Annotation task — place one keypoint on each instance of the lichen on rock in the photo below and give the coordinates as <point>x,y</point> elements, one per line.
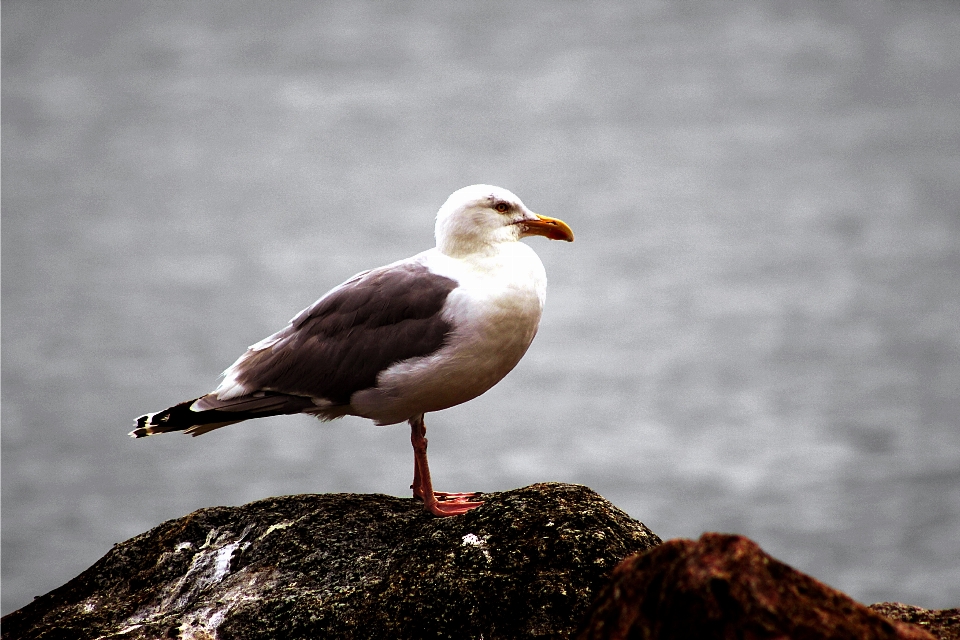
<point>525,564</point>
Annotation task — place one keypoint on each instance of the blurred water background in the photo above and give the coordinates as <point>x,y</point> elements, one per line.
<point>756,330</point>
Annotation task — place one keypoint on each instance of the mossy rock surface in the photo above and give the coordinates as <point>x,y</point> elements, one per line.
<point>528,563</point>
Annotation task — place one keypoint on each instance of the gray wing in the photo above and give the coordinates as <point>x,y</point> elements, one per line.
<point>343,341</point>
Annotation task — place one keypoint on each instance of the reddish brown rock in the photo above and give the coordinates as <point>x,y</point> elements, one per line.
<point>942,623</point>
<point>725,586</point>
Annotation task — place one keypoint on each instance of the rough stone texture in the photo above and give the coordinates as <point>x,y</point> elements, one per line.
<point>941,623</point>
<point>525,564</point>
<point>725,586</point>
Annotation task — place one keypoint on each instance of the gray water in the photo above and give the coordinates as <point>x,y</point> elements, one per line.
<point>756,330</point>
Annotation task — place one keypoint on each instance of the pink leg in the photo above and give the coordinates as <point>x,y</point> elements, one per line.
<point>438,503</point>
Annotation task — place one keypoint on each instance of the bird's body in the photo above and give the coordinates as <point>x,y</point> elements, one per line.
<point>390,344</point>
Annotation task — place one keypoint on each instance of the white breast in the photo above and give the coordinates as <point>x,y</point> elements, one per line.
<point>495,312</point>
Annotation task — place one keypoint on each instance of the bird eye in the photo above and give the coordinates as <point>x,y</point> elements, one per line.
<point>502,207</point>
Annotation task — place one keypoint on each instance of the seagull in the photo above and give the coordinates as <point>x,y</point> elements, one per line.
<point>393,343</point>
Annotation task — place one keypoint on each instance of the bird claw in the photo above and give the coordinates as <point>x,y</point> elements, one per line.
<point>450,504</point>
<point>445,508</point>
<point>444,496</point>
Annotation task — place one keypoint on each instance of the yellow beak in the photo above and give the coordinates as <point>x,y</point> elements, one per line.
<point>548,227</point>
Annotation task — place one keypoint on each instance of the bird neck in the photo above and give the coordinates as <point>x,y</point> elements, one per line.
<point>466,247</point>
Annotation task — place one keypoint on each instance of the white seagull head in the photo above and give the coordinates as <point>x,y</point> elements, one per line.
<point>479,217</point>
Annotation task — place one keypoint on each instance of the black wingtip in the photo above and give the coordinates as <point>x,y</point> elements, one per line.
<point>160,422</point>
<point>185,418</point>
<point>143,427</point>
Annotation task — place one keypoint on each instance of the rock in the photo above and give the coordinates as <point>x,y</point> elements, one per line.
<point>941,623</point>
<point>725,586</point>
<point>525,564</point>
